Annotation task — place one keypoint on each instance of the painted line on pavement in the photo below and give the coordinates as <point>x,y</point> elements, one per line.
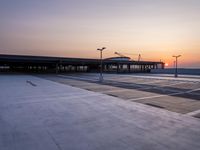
<point>139,88</point>
<point>158,96</point>
<point>193,113</point>
<point>119,90</point>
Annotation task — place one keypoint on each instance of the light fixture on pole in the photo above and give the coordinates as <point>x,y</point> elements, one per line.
<point>176,65</point>
<point>101,63</point>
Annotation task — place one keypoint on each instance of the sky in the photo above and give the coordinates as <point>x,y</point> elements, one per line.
<point>156,29</point>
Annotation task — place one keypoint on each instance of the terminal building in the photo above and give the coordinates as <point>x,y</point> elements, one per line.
<point>42,64</point>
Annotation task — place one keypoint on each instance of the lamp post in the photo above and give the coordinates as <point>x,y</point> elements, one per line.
<point>101,63</point>
<point>176,65</point>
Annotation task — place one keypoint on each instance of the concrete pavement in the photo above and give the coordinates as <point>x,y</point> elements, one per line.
<point>45,115</point>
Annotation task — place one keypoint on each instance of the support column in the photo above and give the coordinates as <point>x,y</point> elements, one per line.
<point>117,68</point>
<point>56,68</point>
<point>129,68</point>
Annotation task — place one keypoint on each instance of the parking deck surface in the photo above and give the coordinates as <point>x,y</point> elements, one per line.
<point>181,95</point>
<point>38,114</point>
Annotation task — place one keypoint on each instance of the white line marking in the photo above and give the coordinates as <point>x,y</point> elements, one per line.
<point>141,88</point>
<point>193,90</point>
<point>193,113</point>
<point>159,87</point>
<point>158,81</point>
<point>157,96</point>
<point>119,90</point>
<point>153,86</point>
<point>86,79</point>
<point>165,78</point>
<point>172,84</point>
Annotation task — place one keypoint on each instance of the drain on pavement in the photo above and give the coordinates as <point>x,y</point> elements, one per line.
<point>31,83</point>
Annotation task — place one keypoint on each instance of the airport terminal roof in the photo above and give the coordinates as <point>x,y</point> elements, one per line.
<point>5,58</point>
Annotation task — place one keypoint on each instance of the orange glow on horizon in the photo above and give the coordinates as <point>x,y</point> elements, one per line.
<point>166,64</point>
<point>156,30</point>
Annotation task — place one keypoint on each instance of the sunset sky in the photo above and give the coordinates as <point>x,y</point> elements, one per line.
<point>157,29</point>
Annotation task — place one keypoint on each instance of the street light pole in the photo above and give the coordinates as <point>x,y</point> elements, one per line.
<point>101,63</point>
<point>176,65</point>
